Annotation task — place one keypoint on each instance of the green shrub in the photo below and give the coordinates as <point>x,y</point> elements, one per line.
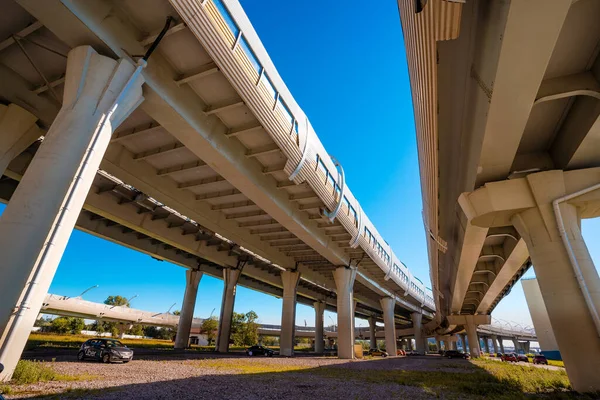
<point>33,371</point>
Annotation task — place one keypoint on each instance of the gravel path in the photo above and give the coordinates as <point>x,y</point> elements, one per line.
<point>222,377</point>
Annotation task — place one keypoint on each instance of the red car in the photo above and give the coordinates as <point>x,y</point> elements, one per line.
<point>540,359</point>
<point>510,357</point>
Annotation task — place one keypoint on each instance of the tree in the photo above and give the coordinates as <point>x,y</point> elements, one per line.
<point>116,301</point>
<point>137,330</point>
<point>244,328</point>
<point>65,325</point>
<point>176,312</point>
<point>209,328</point>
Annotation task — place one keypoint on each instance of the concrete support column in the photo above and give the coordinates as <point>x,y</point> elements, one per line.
<point>439,344</point>
<point>344,282</point>
<point>474,348</point>
<point>486,344</point>
<point>18,131</point>
<point>425,344</point>
<point>372,333</point>
<point>495,343</point>
<point>416,320</point>
<point>463,339</point>
<point>569,314</point>
<point>36,225</point>
<point>389,324</point>
<point>319,323</point>
<point>230,278</point>
<point>516,345</point>
<point>501,343</point>
<point>123,328</point>
<point>453,345</point>
<point>288,314</point>
<point>527,344</point>
<point>192,280</point>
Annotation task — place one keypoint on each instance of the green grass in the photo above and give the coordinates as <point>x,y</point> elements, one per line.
<point>37,371</point>
<point>54,341</point>
<point>480,378</point>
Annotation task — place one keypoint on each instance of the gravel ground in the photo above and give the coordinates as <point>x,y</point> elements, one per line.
<point>215,377</point>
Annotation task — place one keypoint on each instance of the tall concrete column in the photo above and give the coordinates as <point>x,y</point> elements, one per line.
<point>416,320</point>
<point>486,344</point>
<point>526,347</point>
<point>344,282</point>
<point>372,332</point>
<point>192,280</point>
<point>36,225</point>
<point>389,324</point>
<point>501,343</point>
<point>230,278</point>
<point>474,348</point>
<point>463,339</point>
<point>495,343</point>
<point>439,344</point>
<point>288,313</point>
<point>516,345</point>
<point>319,323</point>
<point>569,314</point>
<point>18,130</point>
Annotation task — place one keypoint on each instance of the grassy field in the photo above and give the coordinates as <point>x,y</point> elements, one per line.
<point>477,379</point>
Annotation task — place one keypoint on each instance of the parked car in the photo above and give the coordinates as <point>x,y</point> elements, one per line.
<point>522,357</point>
<point>540,359</point>
<point>400,352</point>
<point>509,357</point>
<point>456,354</point>
<point>105,350</point>
<point>378,353</point>
<point>498,355</point>
<point>258,350</point>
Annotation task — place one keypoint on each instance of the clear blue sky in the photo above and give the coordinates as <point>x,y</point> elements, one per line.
<point>346,68</point>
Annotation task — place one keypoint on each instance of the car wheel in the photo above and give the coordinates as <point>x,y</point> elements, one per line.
<point>106,358</point>
<point>249,353</point>
<point>449,357</point>
<point>384,355</point>
<point>270,354</point>
<point>81,355</point>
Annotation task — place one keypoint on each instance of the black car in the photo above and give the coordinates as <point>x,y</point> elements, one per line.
<point>456,354</point>
<point>259,351</point>
<point>105,350</point>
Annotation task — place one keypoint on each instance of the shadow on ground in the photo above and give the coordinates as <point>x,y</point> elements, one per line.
<point>239,377</point>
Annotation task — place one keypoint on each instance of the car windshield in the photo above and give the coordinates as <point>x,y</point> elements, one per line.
<point>114,343</point>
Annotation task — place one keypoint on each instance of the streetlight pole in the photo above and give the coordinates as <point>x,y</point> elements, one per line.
<point>129,300</point>
<point>87,290</point>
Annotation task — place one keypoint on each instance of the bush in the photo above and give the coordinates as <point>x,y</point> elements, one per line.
<point>32,372</point>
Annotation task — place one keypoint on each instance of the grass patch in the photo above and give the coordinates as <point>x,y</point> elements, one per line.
<point>54,341</point>
<point>481,378</point>
<point>5,389</point>
<point>247,366</point>
<point>37,371</point>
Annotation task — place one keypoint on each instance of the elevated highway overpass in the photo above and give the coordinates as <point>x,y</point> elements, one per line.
<point>506,100</point>
<point>180,140</point>
<point>78,307</point>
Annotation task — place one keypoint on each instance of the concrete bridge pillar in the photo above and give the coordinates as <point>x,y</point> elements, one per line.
<point>495,343</point>
<point>474,348</point>
<point>463,339</point>
<point>389,324</point>
<point>438,343</point>
<point>372,333</point>
<point>501,343</point>
<point>416,320</point>
<point>526,346</point>
<point>319,323</point>
<point>36,225</point>
<point>192,280</point>
<point>288,313</point>
<point>18,130</point>
<point>516,345</point>
<point>486,344</point>
<point>123,328</point>
<point>344,282</point>
<point>570,316</point>
<point>230,279</point>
